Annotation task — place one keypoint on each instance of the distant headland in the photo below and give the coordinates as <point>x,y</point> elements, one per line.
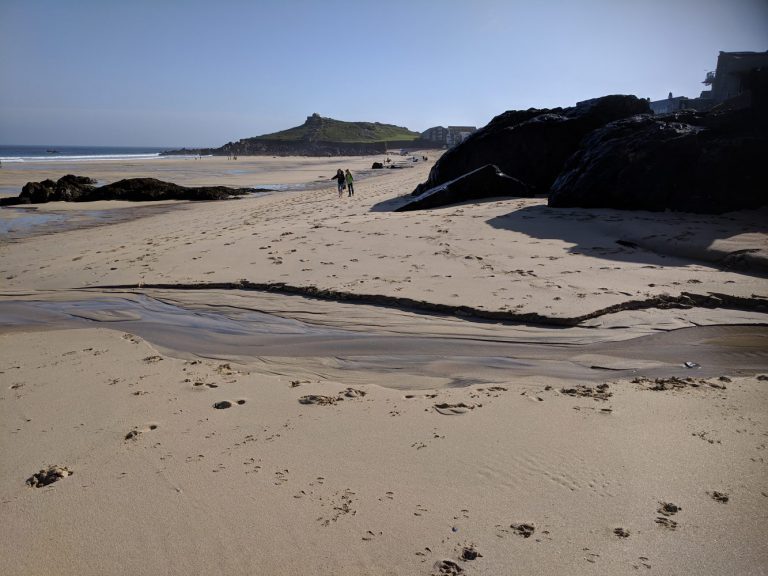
<point>320,136</point>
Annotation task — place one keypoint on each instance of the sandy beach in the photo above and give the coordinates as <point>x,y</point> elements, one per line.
<point>246,171</point>
<point>294,382</point>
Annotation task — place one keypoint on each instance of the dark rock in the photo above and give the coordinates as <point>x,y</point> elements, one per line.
<point>484,182</point>
<point>143,189</point>
<point>694,162</point>
<point>71,188</point>
<point>80,189</point>
<point>531,145</point>
<point>14,201</point>
<point>39,192</point>
<point>67,188</point>
<point>377,166</point>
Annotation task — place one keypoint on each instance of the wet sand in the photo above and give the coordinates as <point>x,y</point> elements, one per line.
<point>462,356</point>
<point>245,172</point>
<point>259,173</point>
<point>231,431</point>
<point>18,223</point>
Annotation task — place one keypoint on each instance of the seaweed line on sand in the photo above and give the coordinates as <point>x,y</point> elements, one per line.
<point>684,300</point>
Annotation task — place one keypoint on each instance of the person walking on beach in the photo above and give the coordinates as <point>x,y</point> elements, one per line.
<point>350,183</point>
<point>340,180</point>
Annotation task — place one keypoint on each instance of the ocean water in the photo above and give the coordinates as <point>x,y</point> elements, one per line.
<point>11,154</point>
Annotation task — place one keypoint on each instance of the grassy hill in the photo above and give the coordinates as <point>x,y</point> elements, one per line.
<point>319,129</point>
<point>320,136</point>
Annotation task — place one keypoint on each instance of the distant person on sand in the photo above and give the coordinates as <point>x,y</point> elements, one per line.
<point>340,180</point>
<point>350,183</point>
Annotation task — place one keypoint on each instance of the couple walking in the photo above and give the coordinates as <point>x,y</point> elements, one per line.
<point>344,180</point>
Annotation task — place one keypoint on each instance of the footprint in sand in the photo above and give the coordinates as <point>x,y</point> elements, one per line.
<point>621,532</point>
<point>525,530</point>
<point>317,399</point>
<point>668,509</point>
<point>469,553</point>
<point>447,568</point>
<point>48,476</point>
<point>226,370</point>
<point>454,409</point>
<point>600,392</point>
<point>224,404</point>
<point>136,432</point>
<point>206,384</point>
<point>353,393</point>
<point>328,400</point>
<point>666,523</point>
<point>721,497</point>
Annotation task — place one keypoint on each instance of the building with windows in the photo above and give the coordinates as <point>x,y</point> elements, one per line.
<point>732,79</point>
<point>457,134</point>
<point>448,136</point>
<point>436,134</point>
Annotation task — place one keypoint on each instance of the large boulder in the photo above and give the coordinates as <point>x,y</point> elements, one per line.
<point>71,188</point>
<point>39,192</point>
<point>531,145</point>
<point>67,188</point>
<point>692,162</point>
<point>484,182</point>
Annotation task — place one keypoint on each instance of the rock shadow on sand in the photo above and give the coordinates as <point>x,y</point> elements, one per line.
<point>392,204</point>
<point>649,238</point>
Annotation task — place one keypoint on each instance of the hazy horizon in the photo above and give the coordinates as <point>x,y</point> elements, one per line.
<point>196,74</point>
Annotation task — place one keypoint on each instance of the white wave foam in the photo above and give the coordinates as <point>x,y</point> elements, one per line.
<point>90,158</point>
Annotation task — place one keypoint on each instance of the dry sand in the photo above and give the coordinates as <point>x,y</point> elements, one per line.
<point>424,445</point>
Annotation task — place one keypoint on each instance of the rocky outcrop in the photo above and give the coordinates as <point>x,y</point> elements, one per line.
<point>694,162</point>
<point>531,145</point>
<point>68,188</point>
<point>484,182</point>
<point>80,189</point>
<point>71,187</point>
<point>142,189</point>
<point>611,152</point>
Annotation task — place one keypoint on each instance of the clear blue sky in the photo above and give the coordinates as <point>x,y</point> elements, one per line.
<point>183,72</point>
